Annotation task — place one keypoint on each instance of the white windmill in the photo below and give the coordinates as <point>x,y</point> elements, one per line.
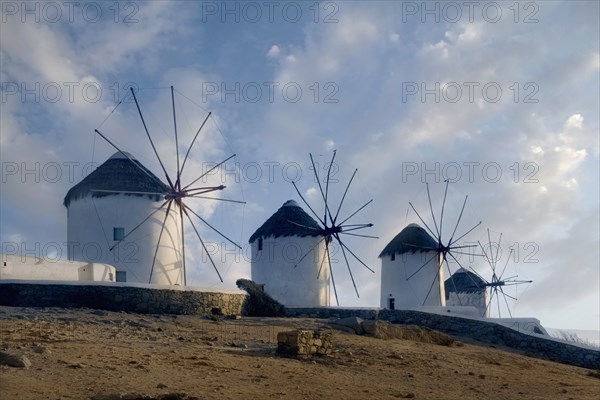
<point>413,262</point>
<point>123,207</point>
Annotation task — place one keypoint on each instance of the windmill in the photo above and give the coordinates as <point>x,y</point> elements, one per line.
<point>332,226</point>
<point>443,248</point>
<point>499,282</point>
<point>175,193</point>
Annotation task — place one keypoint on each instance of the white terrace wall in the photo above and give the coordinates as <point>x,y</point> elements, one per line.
<point>35,268</point>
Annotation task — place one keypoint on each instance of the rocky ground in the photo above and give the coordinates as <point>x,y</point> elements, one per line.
<point>88,354</point>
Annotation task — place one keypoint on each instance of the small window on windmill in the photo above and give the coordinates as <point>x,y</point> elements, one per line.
<point>260,244</point>
<point>121,276</point>
<point>118,233</point>
<point>393,256</point>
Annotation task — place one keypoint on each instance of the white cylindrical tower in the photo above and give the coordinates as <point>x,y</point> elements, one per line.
<point>411,274</point>
<point>108,205</point>
<point>277,248</point>
<point>464,288</point>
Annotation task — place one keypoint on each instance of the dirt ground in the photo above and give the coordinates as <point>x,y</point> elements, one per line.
<point>79,354</point>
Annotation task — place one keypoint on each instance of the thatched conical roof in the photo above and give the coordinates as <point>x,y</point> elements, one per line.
<point>411,239</point>
<point>463,281</point>
<point>289,220</point>
<point>120,174</point>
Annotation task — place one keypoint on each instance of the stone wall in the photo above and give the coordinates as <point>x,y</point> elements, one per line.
<point>304,343</point>
<point>121,298</point>
<point>470,329</point>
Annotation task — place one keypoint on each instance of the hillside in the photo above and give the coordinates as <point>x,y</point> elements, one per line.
<point>80,354</point>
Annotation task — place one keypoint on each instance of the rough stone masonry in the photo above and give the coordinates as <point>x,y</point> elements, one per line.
<point>304,343</point>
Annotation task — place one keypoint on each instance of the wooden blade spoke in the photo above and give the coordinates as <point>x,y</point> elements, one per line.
<point>358,235</point>
<point>217,199</point>
<point>355,228</point>
<point>355,256</point>
<point>506,301</point>
<point>192,144</point>
<point>320,189</point>
<point>348,265</point>
<point>443,205</point>
<point>212,227</point>
<point>422,266</point>
<point>203,245</point>
<point>151,141</point>
<point>466,233</point>
<point>308,205</point>
<point>344,196</point>
<point>304,226</point>
<point>459,218</point>
<point>322,260</point>
<point>357,211</point>
<point>439,235</point>
<point>307,253</point>
<point>177,182</point>
<point>421,219</point>
<point>182,244</point>
<point>437,275</point>
<point>327,187</point>
<point>162,228</point>
<point>445,261</point>
<point>421,247</point>
<point>207,172</point>
<point>331,273</point>
<point>145,171</point>
<point>505,265</point>
<point>140,224</point>
<point>129,192</point>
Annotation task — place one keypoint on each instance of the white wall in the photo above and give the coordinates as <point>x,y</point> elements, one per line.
<point>479,300</point>
<point>273,267</point>
<point>90,235</point>
<point>34,268</point>
<point>412,293</point>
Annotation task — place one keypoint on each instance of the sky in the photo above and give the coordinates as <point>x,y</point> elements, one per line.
<point>499,98</point>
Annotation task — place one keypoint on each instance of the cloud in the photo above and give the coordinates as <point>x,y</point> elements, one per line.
<point>274,51</point>
<point>540,135</point>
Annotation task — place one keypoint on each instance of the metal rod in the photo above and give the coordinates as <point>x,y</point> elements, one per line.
<point>192,144</point>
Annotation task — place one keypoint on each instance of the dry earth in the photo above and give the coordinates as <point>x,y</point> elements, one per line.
<point>82,354</point>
